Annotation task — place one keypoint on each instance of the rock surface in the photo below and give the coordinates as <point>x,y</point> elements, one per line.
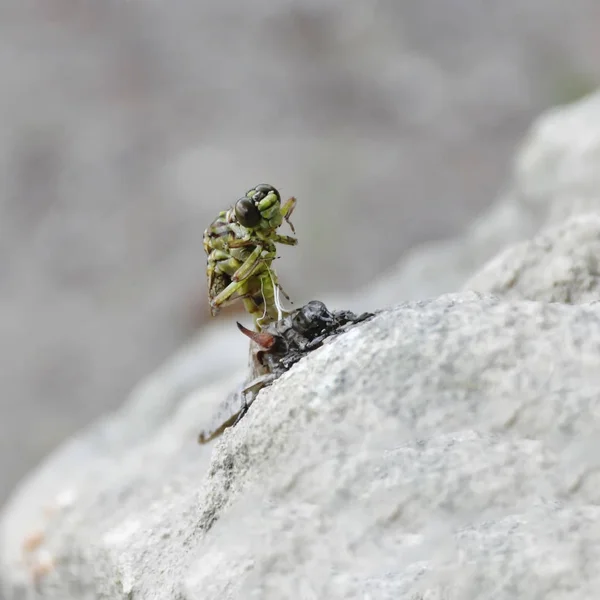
<point>561,264</point>
<point>443,436</point>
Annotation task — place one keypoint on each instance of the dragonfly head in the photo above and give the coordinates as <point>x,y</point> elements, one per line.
<point>260,208</point>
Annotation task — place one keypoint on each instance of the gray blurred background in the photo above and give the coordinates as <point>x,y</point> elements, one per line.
<point>126,125</point>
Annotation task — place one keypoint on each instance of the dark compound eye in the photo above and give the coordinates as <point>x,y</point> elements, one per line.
<point>247,213</point>
<point>262,190</point>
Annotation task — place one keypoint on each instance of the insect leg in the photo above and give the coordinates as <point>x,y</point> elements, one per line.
<point>255,293</point>
<point>222,262</point>
<point>286,211</point>
<point>250,264</point>
<point>223,297</point>
<point>245,406</point>
<point>250,392</point>
<point>254,304</point>
<point>206,437</point>
<point>241,242</point>
<point>288,240</point>
<point>285,294</point>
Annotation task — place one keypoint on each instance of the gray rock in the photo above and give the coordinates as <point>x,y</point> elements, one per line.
<point>442,267</point>
<point>94,457</point>
<point>561,264</point>
<point>451,436</point>
<point>555,176</point>
<point>446,448</point>
<point>127,125</point>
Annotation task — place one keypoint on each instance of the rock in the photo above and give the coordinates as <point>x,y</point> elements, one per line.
<point>443,267</point>
<point>560,264</point>
<point>95,456</point>
<point>555,176</point>
<point>155,119</point>
<point>455,435</point>
<point>445,436</point>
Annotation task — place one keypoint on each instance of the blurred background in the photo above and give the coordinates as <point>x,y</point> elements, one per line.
<point>127,125</point>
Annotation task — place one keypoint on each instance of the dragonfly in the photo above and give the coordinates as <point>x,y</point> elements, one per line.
<point>240,245</point>
<point>279,346</point>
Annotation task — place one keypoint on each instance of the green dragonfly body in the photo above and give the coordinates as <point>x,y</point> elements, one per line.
<point>241,245</point>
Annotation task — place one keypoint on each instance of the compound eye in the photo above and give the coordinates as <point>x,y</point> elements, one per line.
<point>247,213</point>
<point>263,190</point>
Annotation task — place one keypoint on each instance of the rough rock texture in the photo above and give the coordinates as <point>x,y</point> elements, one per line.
<point>456,435</point>
<point>91,459</point>
<point>561,264</point>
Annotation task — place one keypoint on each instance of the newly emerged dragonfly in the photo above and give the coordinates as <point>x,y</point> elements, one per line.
<point>282,344</point>
<point>240,246</point>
